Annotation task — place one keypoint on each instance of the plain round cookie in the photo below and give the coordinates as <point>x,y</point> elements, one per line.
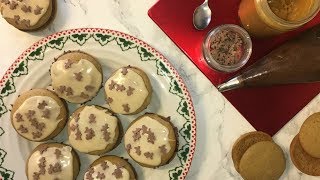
<point>263,161</point>
<point>43,148</point>
<point>244,142</point>
<point>76,76</point>
<point>21,12</point>
<point>94,121</point>
<point>302,160</point>
<point>309,135</point>
<point>142,140</point>
<point>104,163</point>
<point>38,93</point>
<point>128,90</point>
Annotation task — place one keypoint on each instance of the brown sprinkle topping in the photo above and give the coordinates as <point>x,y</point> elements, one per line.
<point>106,134</point>
<point>23,129</point>
<point>136,134</point>
<point>126,107</point>
<point>43,148</point>
<point>18,117</point>
<point>62,89</point>
<point>163,149</point>
<point>120,88</point>
<point>89,174</point>
<point>89,88</point>
<point>148,155</point>
<point>124,71</point>
<point>26,22</point>
<point>112,85</point>
<point>138,150</point>
<point>69,91</point>
<point>46,114</point>
<point>38,10</point>
<point>36,176</point>
<point>36,135</point>
<point>78,134</point>
<point>89,133</point>
<point>42,105</point>
<point>109,100</point>
<point>104,165</point>
<point>54,168</point>
<point>92,118</point>
<point>84,95</point>
<point>58,153</point>
<point>100,175</point>
<point>16,19</point>
<point>78,76</point>
<point>30,114</point>
<point>13,5</point>
<point>151,137</point>
<point>130,91</point>
<point>68,64</point>
<point>42,166</point>
<point>25,8</point>
<point>117,173</point>
<point>6,2</point>
<point>128,147</point>
<point>74,127</point>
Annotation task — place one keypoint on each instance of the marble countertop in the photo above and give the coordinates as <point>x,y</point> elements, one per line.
<point>219,124</point>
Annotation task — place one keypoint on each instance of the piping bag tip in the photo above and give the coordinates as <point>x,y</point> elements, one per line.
<point>233,83</point>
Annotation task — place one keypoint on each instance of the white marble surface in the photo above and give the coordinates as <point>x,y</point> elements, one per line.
<point>218,122</point>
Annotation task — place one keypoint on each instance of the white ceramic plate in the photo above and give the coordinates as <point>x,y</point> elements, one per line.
<point>113,49</point>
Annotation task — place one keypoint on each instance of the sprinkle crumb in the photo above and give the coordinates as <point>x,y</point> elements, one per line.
<point>227,47</point>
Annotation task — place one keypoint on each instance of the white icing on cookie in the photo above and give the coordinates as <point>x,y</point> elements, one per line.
<point>37,117</point>
<point>126,91</point>
<point>97,129</point>
<point>76,82</point>
<point>28,11</point>
<point>108,170</point>
<point>149,137</point>
<point>51,163</point>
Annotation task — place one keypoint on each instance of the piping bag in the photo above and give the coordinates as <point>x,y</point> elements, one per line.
<point>296,61</point>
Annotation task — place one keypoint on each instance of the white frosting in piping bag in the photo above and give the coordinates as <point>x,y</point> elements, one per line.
<point>161,139</point>
<point>80,78</point>
<point>64,160</point>
<point>12,8</point>
<point>109,170</point>
<point>99,119</point>
<point>133,93</point>
<point>37,122</point>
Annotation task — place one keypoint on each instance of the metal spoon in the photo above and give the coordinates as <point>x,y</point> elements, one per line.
<point>202,16</point>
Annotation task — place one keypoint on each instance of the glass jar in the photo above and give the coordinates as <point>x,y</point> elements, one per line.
<point>245,50</point>
<point>263,18</point>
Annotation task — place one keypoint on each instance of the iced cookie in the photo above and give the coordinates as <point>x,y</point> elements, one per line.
<point>94,130</point>
<point>52,161</point>
<point>150,140</point>
<point>28,15</point>
<point>111,168</point>
<point>76,76</point>
<point>309,135</point>
<point>244,142</point>
<point>264,161</point>
<point>38,115</point>
<point>302,160</point>
<point>128,91</point>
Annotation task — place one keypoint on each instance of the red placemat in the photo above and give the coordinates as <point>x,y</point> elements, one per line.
<point>267,109</point>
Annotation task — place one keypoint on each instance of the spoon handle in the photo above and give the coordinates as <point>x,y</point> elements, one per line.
<point>206,2</point>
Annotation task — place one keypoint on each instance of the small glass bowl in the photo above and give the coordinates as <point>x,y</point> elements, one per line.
<point>247,49</point>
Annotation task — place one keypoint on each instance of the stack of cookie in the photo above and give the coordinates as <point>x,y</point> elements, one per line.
<point>256,156</point>
<point>305,147</point>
